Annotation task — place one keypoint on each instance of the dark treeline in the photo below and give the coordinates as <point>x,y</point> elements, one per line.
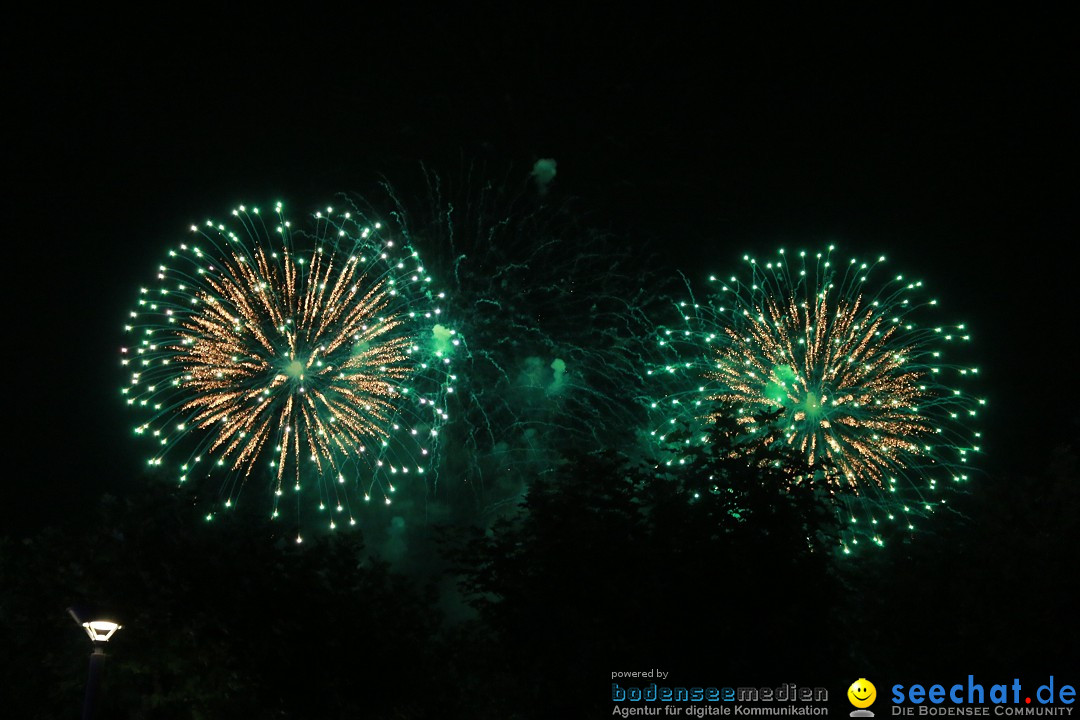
<point>724,573</point>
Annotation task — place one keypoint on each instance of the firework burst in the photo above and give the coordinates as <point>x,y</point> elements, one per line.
<point>837,362</point>
<point>553,311</point>
<point>320,370</point>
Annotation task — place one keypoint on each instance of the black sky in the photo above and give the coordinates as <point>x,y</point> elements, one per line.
<point>946,143</point>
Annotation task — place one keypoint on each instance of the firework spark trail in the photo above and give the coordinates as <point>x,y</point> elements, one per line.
<point>554,315</point>
<point>320,362</point>
<point>836,372</point>
<point>857,383</point>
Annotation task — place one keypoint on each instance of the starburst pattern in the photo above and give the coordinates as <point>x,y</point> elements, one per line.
<point>848,397</point>
<point>328,364</point>
<point>838,364</point>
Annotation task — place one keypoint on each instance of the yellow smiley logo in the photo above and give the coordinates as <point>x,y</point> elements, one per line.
<point>862,693</point>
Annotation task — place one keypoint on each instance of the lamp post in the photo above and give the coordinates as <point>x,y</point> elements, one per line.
<point>99,632</point>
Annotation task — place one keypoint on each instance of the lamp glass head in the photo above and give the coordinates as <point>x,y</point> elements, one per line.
<point>100,630</point>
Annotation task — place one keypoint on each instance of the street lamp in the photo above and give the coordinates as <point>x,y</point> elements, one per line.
<point>99,632</point>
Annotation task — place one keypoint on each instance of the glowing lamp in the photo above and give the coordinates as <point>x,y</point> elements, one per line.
<point>100,630</point>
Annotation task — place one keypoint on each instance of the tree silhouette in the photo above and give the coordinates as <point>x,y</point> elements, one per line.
<point>220,620</point>
<point>720,567</point>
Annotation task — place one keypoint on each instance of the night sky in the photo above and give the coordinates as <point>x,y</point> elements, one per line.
<point>942,143</point>
<point>945,143</point>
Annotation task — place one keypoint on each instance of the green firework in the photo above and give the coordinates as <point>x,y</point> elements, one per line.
<point>315,361</point>
<point>839,360</point>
